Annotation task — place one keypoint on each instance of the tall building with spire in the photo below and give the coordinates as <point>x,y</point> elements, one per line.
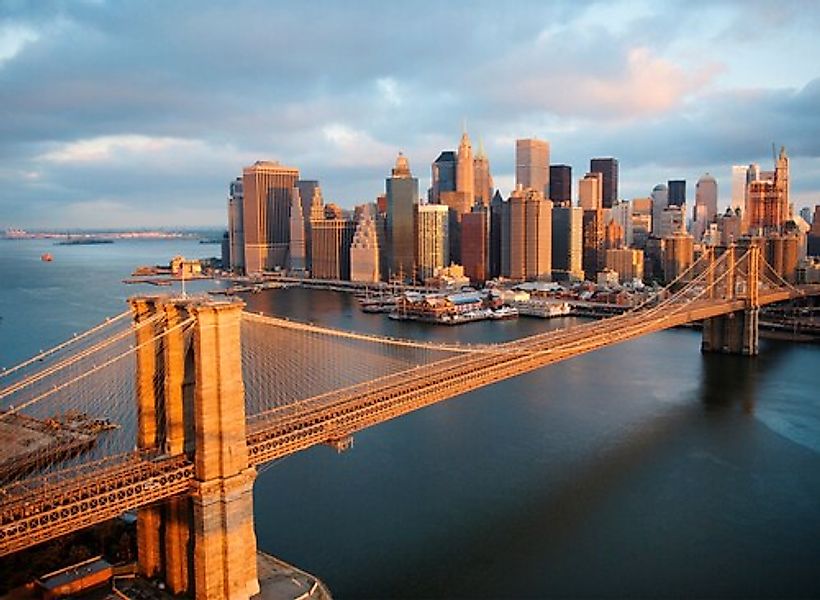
<point>267,190</point>
<point>483,186</point>
<point>465,175</point>
<point>402,199</point>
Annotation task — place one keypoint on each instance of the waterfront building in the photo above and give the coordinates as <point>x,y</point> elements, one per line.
<point>608,168</point>
<point>529,235</point>
<point>532,159</point>
<point>678,254</point>
<point>590,190</point>
<point>561,185</point>
<point>267,196</point>
<point>483,186</point>
<point>677,192</point>
<point>660,200</point>
<point>443,175</point>
<point>432,226</point>
<point>567,243</point>
<point>236,234</point>
<point>627,262</point>
<point>706,200</point>
<point>364,250</point>
<point>402,199</point>
<point>332,239</point>
<point>475,230</point>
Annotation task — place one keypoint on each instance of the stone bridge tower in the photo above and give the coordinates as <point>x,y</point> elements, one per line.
<point>191,401</point>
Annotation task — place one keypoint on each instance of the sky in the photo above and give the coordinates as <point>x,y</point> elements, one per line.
<point>138,113</point>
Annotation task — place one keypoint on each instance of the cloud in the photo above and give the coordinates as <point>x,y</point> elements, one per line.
<point>156,107</point>
<point>116,147</point>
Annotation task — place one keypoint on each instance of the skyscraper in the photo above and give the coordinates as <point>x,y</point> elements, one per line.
<point>402,198</point>
<point>608,168</point>
<point>331,248</point>
<point>443,175</point>
<point>267,190</point>
<point>483,179</point>
<point>567,243</point>
<point>532,159</point>
<point>298,251</point>
<point>474,243</point>
<point>561,185</point>
<point>767,199</point>
<point>364,251</point>
<point>660,201</point>
<point>706,199</point>
<point>236,234</point>
<point>739,175</point>
<point>432,239</point>
<point>529,235</point>
<point>590,190</point>
<point>465,174</point>
<point>496,219</point>
<point>677,192</point>
<point>593,241</point>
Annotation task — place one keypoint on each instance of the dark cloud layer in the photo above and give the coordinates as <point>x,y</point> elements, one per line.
<point>116,111</point>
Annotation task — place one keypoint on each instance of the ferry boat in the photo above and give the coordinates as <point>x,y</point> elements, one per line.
<point>505,312</point>
<point>543,309</point>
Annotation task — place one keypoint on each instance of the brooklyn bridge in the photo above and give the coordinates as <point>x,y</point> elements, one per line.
<point>192,395</point>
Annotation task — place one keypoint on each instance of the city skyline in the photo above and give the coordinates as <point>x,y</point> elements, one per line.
<point>106,128</point>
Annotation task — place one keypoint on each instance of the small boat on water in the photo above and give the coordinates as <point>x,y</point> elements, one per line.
<point>505,312</point>
<point>46,257</point>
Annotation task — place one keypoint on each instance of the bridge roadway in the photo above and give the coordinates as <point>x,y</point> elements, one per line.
<point>43,508</point>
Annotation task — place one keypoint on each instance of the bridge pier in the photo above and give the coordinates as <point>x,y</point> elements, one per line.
<point>191,401</point>
<point>735,333</point>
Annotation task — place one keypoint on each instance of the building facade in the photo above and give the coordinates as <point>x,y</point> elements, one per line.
<point>236,233</point>
<point>364,251</point>
<point>567,243</point>
<point>332,239</point>
<point>432,225</point>
<point>475,230</point>
<point>267,197</point>
<point>532,159</point>
<point>608,168</point>
<point>402,199</point>
<point>561,185</point>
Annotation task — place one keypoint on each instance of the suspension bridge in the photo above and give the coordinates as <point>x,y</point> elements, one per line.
<point>169,408</point>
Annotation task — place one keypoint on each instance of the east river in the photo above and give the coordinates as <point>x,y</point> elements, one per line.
<point>644,469</point>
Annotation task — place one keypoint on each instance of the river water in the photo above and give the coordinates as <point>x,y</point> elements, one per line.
<point>644,469</point>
